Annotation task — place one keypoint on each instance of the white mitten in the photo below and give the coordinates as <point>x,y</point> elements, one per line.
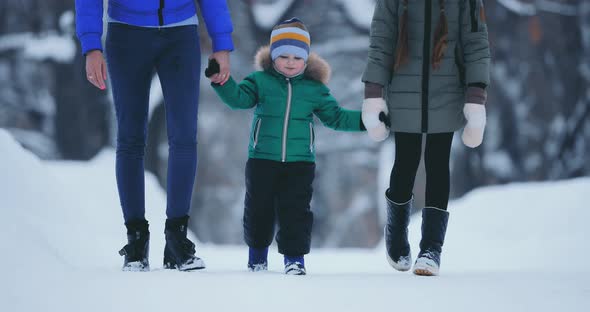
<point>476,122</point>
<point>376,129</point>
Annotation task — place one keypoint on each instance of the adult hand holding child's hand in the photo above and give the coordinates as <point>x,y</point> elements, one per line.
<point>372,108</point>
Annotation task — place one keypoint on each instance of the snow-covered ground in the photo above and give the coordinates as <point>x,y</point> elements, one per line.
<point>519,247</point>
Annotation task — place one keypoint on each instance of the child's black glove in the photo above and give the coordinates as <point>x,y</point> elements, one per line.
<point>212,68</point>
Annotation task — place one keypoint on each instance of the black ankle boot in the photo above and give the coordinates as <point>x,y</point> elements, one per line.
<point>396,234</point>
<point>179,252</point>
<point>434,228</point>
<point>136,251</point>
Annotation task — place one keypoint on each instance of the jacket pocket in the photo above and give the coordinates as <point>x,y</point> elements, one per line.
<point>256,132</point>
<point>311,137</point>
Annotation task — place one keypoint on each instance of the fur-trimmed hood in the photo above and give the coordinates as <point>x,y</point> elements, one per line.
<point>317,68</point>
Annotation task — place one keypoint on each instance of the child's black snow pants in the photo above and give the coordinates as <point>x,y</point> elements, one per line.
<point>279,189</point>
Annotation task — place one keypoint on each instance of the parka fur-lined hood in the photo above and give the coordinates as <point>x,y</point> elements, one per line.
<point>317,68</point>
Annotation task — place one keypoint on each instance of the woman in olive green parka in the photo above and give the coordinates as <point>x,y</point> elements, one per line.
<point>287,90</point>
<point>428,66</point>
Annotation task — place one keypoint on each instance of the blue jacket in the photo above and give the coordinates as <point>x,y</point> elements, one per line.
<point>152,13</point>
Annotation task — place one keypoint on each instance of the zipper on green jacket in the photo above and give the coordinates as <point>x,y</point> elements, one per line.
<point>256,131</point>
<point>426,64</point>
<point>311,137</point>
<point>286,121</point>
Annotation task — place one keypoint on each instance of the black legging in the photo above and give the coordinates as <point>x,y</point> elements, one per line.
<point>408,149</point>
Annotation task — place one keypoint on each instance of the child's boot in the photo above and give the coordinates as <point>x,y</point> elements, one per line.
<point>257,259</point>
<point>434,227</point>
<point>136,251</point>
<point>294,265</point>
<point>396,234</point>
<point>179,252</point>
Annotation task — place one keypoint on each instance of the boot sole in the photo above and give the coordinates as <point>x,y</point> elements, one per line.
<point>191,268</point>
<point>296,274</point>
<point>423,268</point>
<point>423,272</point>
<point>197,265</point>
<point>396,265</point>
<point>135,267</point>
<point>167,267</point>
<point>258,267</point>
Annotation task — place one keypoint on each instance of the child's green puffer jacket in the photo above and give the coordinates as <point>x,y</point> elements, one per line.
<point>283,128</point>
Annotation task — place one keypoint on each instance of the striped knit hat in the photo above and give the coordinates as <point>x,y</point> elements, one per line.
<point>290,37</point>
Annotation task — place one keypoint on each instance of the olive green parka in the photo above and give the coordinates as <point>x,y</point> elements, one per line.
<point>419,98</point>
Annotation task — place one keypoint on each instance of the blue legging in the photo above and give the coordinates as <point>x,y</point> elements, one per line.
<point>133,54</point>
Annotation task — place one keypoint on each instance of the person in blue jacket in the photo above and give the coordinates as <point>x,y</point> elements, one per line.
<point>144,36</point>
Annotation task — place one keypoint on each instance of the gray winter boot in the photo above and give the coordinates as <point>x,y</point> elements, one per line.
<point>396,234</point>
<point>434,228</point>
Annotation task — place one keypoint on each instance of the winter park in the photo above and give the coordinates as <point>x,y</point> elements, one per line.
<point>336,168</point>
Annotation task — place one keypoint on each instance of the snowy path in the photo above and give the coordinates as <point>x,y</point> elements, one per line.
<point>520,247</point>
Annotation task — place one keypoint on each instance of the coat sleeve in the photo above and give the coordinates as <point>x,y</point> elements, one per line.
<point>336,117</point>
<point>382,43</point>
<point>474,42</point>
<point>238,96</point>
<point>89,24</point>
<point>219,25</point>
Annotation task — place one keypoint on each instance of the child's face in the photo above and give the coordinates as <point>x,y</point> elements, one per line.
<point>289,64</point>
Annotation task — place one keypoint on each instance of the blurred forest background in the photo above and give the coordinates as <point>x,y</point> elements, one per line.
<point>538,109</point>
